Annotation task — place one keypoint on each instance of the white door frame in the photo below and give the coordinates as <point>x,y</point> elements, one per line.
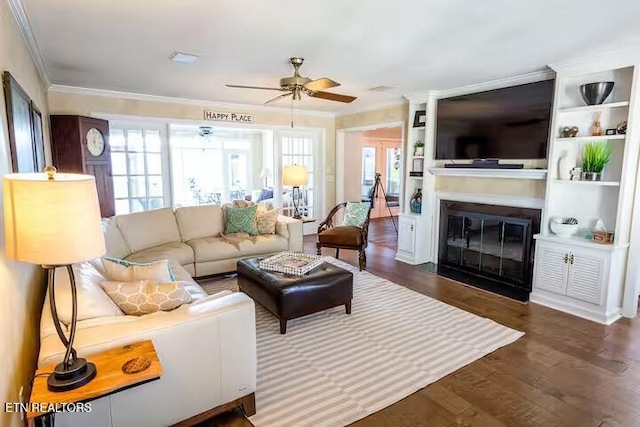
<point>340,147</point>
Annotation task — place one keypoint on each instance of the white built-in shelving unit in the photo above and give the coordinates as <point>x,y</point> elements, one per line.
<point>576,274</point>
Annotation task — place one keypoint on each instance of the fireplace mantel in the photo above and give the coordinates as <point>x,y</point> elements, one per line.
<point>520,202</point>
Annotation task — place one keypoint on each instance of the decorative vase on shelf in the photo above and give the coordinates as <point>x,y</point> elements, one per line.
<point>596,130</point>
<point>418,151</point>
<point>416,202</point>
<point>566,163</point>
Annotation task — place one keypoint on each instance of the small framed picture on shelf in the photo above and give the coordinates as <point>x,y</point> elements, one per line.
<point>420,119</point>
<point>418,165</point>
<point>610,132</point>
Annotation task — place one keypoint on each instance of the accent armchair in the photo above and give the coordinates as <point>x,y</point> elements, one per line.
<point>344,237</point>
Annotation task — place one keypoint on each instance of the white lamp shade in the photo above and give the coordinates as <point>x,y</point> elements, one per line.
<point>52,222</point>
<point>265,173</point>
<point>294,175</point>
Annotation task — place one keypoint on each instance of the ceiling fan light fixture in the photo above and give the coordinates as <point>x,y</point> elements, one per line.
<point>182,57</point>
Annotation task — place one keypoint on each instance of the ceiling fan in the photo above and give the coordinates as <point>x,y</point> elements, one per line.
<point>296,85</point>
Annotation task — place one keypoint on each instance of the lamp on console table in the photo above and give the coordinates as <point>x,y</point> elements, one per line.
<point>265,173</point>
<point>54,220</point>
<point>295,176</point>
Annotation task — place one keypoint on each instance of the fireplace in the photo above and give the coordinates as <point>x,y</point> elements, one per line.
<point>487,246</point>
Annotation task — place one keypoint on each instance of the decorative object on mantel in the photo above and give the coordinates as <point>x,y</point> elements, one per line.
<point>566,164</point>
<point>564,227</point>
<point>596,130</point>
<point>418,148</point>
<point>569,131</point>
<point>420,119</point>
<point>609,132</point>
<point>596,93</point>
<point>416,201</point>
<point>417,165</point>
<point>596,155</point>
<point>576,174</point>
<point>621,128</point>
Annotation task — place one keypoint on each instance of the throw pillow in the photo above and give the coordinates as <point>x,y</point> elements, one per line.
<point>355,214</point>
<point>240,220</point>
<point>141,297</point>
<point>265,194</point>
<point>119,270</point>
<point>266,221</point>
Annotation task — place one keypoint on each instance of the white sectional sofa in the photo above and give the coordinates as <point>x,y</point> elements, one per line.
<point>207,348</point>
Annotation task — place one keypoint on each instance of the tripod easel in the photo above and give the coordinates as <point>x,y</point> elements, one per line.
<point>373,193</point>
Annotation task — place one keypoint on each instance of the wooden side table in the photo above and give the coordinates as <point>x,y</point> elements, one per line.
<point>111,378</point>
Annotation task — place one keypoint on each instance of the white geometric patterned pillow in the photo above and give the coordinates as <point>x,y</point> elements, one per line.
<point>145,296</point>
<point>119,270</point>
<point>266,221</point>
<point>355,213</point>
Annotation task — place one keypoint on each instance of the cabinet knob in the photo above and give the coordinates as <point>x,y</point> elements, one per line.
<point>411,227</point>
<point>571,259</point>
<point>566,258</point>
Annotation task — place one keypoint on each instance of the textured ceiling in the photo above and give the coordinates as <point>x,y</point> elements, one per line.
<point>406,44</point>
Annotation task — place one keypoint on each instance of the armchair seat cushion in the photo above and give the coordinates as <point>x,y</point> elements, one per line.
<point>341,236</point>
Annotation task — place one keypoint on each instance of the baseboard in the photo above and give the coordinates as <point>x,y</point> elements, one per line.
<point>574,309</point>
<point>406,259</point>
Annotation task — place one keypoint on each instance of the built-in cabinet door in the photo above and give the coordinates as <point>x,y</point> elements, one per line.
<point>586,276</point>
<point>406,235</point>
<point>552,268</point>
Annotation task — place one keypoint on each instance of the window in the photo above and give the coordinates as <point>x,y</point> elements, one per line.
<point>297,148</point>
<point>137,166</point>
<point>217,168</point>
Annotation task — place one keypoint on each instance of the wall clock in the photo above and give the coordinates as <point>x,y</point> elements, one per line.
<point>95,142</point>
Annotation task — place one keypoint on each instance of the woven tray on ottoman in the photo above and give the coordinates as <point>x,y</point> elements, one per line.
<point>288,296</point>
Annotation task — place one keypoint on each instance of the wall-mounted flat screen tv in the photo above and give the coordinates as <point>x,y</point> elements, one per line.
<point>508,123</point>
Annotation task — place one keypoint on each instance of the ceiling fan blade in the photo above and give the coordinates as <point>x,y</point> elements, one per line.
<point>256,87</point>
<point>277,97</point>
<point>333,96</point>
<point>323,83</point>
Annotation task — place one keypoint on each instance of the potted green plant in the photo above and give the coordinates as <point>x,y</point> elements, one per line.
<point>594,158</point>
<point>418,148</point>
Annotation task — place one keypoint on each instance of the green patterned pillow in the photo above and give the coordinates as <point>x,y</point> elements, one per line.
<point>240,220</point>
<point>355,214</point>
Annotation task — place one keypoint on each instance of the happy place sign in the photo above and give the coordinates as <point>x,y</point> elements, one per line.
<point>227,117</point>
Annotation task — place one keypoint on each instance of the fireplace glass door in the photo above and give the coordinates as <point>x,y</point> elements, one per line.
<point>488,245</point>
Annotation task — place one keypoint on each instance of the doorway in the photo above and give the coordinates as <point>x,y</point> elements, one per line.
<point>362,154</point>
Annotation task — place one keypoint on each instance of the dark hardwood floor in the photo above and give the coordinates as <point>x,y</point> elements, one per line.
<point>565,371</point>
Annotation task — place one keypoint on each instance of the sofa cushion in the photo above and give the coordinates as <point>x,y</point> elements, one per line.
<point>240,220</point>
<point>126,271</point>
<point>262,245</point>
<point>116,246</point>
<point>266,221</point>
<point>175,251</point>
<point>213,249</point>
<point>143,230</point>
<point>196,222</point>
<point>142,297</point>
<point>92,301</point>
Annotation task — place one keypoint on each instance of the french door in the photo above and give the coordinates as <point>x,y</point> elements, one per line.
<point>384,158</point>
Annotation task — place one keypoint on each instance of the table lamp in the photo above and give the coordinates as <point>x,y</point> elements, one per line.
<point>295,176</point>
<point>266,174</point>
<point>54,220</point>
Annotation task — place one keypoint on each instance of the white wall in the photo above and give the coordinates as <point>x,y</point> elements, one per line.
<point>21,285</point>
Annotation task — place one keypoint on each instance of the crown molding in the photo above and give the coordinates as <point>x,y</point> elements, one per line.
<point>77,90</point>
<point>370,107</point>
<point>519,79</point>
<point>608,60</point>
<point>20,15</point>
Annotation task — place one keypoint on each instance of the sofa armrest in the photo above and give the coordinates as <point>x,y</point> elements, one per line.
<point>207,350</point>
<point>290,229</point>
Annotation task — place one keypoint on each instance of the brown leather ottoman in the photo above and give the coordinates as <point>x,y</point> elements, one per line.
<point>288,297</point>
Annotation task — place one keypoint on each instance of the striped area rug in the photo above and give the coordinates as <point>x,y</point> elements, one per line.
<point>331,369</point>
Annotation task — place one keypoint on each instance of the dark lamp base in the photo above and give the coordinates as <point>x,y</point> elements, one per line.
<point>65,378</point>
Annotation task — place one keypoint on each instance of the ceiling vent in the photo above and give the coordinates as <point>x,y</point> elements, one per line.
<point>381,88</point>
<point>185,58</point>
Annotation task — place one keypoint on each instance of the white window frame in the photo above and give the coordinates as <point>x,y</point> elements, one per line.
<point>127,126</point>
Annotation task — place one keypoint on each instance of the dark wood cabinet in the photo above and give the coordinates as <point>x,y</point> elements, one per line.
<point>73,152</point>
